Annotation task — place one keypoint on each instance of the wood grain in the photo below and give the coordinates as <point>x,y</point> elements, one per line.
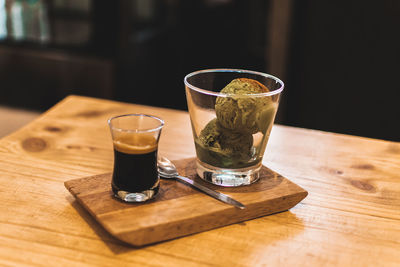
<point>179,210</point>
<point>351,216</point>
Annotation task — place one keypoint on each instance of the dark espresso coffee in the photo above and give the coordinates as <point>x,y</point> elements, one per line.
<point>135,166</point>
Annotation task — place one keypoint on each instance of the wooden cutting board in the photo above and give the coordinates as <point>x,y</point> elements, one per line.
<point>180,210</point>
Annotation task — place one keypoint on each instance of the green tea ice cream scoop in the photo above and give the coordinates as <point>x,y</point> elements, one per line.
<point>222,147</point>
<point>239,110</point>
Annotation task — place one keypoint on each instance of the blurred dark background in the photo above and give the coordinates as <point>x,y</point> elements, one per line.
<point>338,59</point>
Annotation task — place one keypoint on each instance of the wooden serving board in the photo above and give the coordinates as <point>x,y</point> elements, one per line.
<point>180,210</point>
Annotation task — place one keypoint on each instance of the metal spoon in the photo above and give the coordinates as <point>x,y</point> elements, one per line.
<point>167,170</point>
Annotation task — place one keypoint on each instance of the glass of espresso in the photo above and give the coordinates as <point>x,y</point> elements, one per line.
<point>135,140</point>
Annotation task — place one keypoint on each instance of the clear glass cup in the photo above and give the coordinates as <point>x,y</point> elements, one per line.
<point>231,128</point>
<point>135,140</point>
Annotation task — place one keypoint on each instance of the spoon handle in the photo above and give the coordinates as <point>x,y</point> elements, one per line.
<point>222,197</point>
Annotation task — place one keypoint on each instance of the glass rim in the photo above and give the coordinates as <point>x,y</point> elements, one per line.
<point>161,121</point>
<point>270,93</point>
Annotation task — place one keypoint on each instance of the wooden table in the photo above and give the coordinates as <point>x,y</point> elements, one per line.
<point>351,216</point>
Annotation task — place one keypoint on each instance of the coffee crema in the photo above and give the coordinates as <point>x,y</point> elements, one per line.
<point>135,164</point>
<point>136,144</point>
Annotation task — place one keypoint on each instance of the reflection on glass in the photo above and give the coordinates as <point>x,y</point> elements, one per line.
<point>27,20</point>
<point>70,22</point>
<point>3,20</point>
<point>61,22</point>
<point>17,26</point>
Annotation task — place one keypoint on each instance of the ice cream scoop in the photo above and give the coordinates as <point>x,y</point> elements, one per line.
<point>223,147</point>
<point>239,110</point>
